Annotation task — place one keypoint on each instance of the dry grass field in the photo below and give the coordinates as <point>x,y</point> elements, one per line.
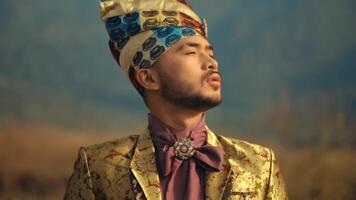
<point>36,162</point>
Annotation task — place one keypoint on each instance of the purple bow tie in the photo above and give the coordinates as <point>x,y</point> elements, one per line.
<point>205,155</point>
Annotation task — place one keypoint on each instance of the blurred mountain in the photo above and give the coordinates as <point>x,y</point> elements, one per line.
<point>288,69</point>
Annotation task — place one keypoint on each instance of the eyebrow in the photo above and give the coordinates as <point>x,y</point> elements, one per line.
<point>195,45</point>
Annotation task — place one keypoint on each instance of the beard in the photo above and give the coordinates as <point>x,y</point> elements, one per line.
<point>183,94</point>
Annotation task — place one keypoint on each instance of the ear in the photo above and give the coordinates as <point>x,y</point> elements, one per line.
<point>148,79</point>
<point>115,53</point>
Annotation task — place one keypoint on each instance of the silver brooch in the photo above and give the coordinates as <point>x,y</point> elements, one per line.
<point>184,148</point>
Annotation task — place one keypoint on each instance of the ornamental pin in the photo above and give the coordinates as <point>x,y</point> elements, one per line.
<point>184,148</point>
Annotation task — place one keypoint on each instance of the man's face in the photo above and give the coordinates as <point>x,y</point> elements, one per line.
<point>189,74</point>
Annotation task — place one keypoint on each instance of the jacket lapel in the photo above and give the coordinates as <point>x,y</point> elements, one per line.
<point>215,182</point>
<point>143,167</point>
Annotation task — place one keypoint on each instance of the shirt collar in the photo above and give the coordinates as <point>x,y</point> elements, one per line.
<point>156,125</point>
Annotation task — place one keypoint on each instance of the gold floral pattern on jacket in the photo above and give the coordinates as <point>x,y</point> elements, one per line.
<point>126,169</point>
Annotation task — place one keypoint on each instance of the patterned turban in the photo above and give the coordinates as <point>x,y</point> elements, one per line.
<point>141,31</point>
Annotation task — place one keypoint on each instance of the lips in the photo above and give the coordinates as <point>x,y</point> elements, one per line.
<point>214,80</point>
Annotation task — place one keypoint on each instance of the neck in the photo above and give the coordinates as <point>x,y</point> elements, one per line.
<point>176,117</point>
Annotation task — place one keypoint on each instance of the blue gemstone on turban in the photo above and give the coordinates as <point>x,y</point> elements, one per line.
<point>164,31</point>
<point>131,17</point>
<point>170,40</point>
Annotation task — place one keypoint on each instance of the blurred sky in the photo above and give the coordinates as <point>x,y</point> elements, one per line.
<point>287,66</point>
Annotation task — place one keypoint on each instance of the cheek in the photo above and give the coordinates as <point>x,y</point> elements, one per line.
<point>183,68</point>
<point>188,70</point>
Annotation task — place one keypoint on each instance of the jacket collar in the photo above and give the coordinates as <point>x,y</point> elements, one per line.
<point>215,182</point>
<point>144,168</point>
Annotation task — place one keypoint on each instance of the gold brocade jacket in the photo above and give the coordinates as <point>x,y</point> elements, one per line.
<point>125,169</point>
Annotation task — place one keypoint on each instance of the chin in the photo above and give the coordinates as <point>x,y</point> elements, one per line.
<point>214,100</point>
<point>214,96</point>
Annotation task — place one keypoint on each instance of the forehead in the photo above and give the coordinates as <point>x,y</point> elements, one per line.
<point>197,41</point>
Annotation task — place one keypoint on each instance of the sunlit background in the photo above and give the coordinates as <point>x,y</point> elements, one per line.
<point>288,83</point>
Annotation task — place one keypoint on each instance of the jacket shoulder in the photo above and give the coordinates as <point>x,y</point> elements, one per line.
<point>254,170</point>
<point>117,151</point>
<point>241,150</point>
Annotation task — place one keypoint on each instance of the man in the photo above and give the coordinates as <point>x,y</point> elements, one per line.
<point>162,46</point>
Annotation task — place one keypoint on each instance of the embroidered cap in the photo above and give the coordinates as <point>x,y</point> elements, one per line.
<point>142,30</point>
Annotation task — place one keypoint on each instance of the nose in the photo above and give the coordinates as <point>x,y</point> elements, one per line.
<point>212,63</point>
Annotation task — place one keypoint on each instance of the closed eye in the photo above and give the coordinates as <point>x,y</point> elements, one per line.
<point>191,52</point>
